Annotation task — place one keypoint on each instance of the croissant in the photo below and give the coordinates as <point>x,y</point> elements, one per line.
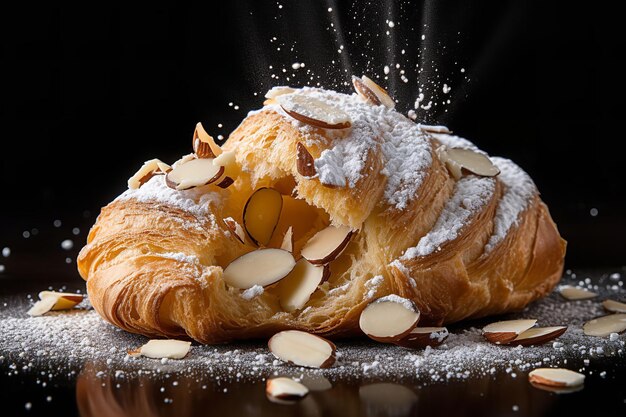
<point>429,217</point>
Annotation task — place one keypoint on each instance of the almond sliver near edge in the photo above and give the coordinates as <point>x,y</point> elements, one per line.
<point>538,335</point>
<point>614,306</point>
<point>302,349</point>
<point>201,136</point>
<point>314,112</point>
<point>165,348</point>
<point>502,332</point>
<point>604,326</point>
<point>575,293</point>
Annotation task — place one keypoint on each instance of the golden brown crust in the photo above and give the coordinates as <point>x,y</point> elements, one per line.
<point>156,269</point>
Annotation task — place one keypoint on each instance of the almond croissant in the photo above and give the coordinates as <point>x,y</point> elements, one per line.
<point>425,226</point>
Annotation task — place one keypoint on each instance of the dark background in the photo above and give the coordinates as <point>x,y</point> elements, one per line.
<point>89,94</point>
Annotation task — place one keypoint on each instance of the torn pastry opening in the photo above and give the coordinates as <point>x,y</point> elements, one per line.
<point>291,252</point>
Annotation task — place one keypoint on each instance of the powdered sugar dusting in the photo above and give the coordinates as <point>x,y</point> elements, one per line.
<point>252,292</point>
<point>372,285</point>
<point>393,298</point>
<point>469,197</point>
<point>195,201</point>
<point>406,150</point>
<point>312,108</point>
<point>339,289</point>
<point>519,189</point>
<point>180,257</point>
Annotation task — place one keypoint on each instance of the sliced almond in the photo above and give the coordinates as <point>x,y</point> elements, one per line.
<point>64,300</point>
<point>261,214</point>
<point>235,229</point>
<point>314,112</point>
<point>283,388</point>
<point>433,128</point>
<point>302,349</point>
<point>502,332</point>
<point>459,159</point>
<point>604,326</point>
<point>225,182</point>
<point>277,91</point>
<point>288,240</point>
<point>193,173</point>
<point>54,301</point>
<point>202,149</point>
<point>538,335</point>
<point>163,167</point>
<point>225,159</point>
<point>365,92</point>
<point>557,390</point>
<point>41,307</point>
<point>203,144</point>
<point>296,288</point>
<point>380,92</point>
<point>453,167</point>
<point>420,337</point>
<point>389,319</point>
<point>556,377</point>
<point>305,162</point>
<point>260,267</point>
<point>163,348</point>
<point>229,162</point>
<point>148,170</point>
<point>327,244</point>
<point>575,293</point>
<point>614,306</point>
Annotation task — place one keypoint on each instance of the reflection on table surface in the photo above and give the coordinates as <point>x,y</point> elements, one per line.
<point>100,393</point>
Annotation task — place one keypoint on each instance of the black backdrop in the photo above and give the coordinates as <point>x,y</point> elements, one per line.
<point>89,94</point>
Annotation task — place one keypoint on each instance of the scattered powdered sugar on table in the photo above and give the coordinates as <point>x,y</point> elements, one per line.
<point>469,196</point>
<point>519,188</point>
<point>62,343</point>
